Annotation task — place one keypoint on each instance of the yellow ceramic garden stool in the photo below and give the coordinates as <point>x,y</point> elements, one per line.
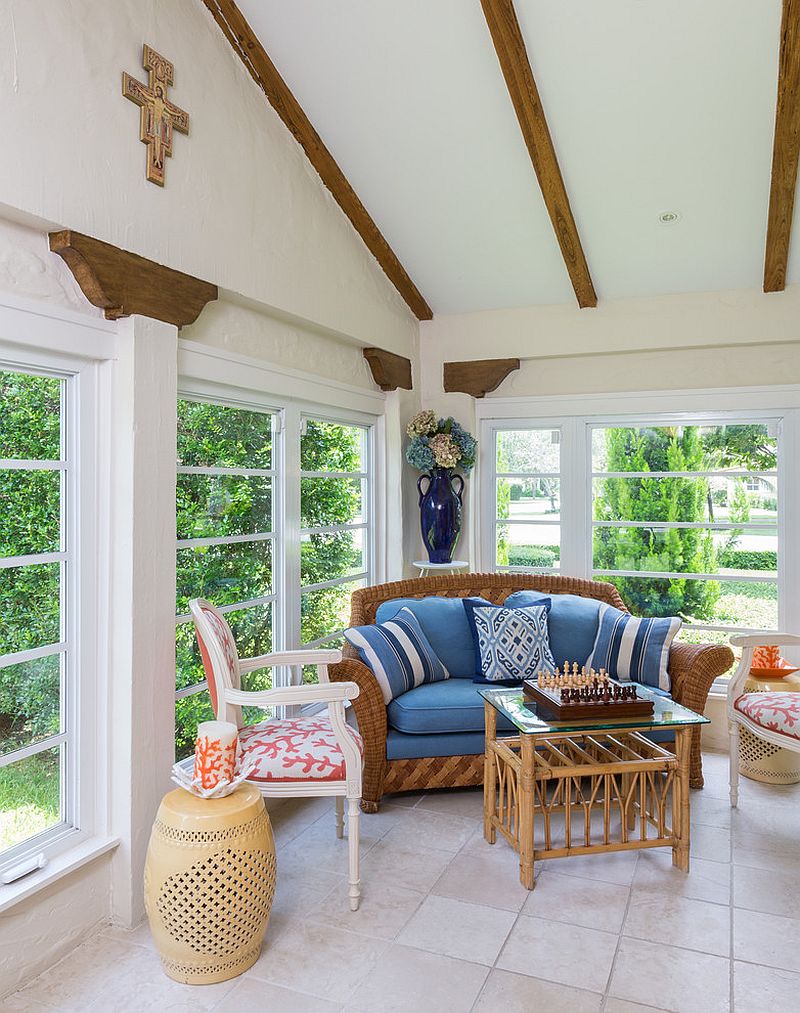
<point>209,881</point>
<point>764,761</point>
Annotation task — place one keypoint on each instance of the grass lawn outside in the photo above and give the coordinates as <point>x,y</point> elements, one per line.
<point>29,797</point>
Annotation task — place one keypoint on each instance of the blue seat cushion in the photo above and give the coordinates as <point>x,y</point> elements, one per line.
<point>413,747</point>
<point>453,706</point>
<point>572,623</point>
<point>444,623</point>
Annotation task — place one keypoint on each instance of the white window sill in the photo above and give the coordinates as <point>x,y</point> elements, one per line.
<point>57,867</point>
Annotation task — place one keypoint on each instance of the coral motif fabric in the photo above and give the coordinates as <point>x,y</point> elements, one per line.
<point>777,712</point>
<point>294,749</point>
<point>225,640</point>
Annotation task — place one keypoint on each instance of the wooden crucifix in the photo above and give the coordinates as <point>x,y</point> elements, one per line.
<point>158,117</point>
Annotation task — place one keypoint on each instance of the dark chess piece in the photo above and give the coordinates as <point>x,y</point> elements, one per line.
<point>564,695</point>
<point>606,694</point>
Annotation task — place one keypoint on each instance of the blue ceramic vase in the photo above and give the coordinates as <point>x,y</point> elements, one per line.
<point>440,513</point>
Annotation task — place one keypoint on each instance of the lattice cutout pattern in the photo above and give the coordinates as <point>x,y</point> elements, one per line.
<point>764,761</point>
<point>202,838</point>
<point>221,903</point>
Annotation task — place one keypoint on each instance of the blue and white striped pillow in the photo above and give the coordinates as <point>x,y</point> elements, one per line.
<point>399,654</point>
<point>634,650</point>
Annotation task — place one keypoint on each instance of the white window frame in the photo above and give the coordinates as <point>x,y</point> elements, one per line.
<point>576,416</point>
<point>210,375</point>
<point>53,341</point>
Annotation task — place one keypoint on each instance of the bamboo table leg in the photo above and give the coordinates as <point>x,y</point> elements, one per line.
<point>680,800</point>
<point>489,773</point>
<point>527,748</point>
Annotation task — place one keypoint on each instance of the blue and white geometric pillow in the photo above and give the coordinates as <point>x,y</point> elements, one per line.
<point>634,650</point>
<point>510,644</point>
<point>399,654</point>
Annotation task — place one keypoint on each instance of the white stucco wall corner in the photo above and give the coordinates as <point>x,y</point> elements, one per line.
<point>241,206</point>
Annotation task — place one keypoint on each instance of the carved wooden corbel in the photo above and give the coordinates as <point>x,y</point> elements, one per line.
<point>389,371</point>
<point>122,283</point>
<point>478,376</point>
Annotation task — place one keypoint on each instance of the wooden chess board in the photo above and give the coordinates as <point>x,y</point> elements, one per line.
<point>577,695</point>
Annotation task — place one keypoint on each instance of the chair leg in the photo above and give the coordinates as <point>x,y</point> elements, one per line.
<point>352,833</point>
<point>340,816</point>
<point>733,745</point>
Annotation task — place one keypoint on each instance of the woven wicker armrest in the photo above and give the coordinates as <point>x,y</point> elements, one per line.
<point>692,671</point>
<point>371,716</point>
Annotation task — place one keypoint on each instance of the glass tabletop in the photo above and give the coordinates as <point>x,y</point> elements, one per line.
<point>666,714</point>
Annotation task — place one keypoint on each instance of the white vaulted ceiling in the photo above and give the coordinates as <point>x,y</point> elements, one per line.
<point>653,106</point>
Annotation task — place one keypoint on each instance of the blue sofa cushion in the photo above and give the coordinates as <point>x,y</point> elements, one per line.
<point>398,652</point>
<point>634,650</point>
<point>444,623</point>
<point>510,643</point>
<point>440,707</point>
<point>572,623</point>
<point>412,747</point>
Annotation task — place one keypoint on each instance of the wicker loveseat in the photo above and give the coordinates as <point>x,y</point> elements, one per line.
<point>692,668</point>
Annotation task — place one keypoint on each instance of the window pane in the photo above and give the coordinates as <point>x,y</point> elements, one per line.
<point>528,499</point>
<point>217,435</point>
<point>686,550</point>
<point>30,417</point>
<point>189,712</point>
<point>326,611</point>
<point>29,607</point>
<point>330,446</point>
<point>30,797</point>
<point>210,506</point>
<point>325,502</point>
<point>225,574</point>
<point>325,557</point>
<point>717,500</point>
<point>719,603</point>
<point>528,545</point>
<point>29,702</point>
<point>684,448</point>
<point>311,672</point>
<point>30,519</point>
<point>528,450</point>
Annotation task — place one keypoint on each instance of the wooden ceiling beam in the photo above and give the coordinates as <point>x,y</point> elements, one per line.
<point>512,54</point>
<point>785,151</point>
<point>247,47</point>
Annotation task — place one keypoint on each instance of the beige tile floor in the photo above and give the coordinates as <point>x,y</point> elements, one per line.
<point>445,926</point>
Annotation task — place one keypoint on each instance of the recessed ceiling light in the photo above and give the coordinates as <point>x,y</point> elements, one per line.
<point>668,217</point>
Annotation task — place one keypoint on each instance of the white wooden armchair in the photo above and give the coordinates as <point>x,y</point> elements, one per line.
<point>773,716</point>
<point>317,755</point>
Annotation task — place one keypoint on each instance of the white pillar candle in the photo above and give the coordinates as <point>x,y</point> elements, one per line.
<point>215,752</point>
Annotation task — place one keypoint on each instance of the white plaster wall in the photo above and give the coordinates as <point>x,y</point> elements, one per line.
<point>241,207</point>
<point>29,269</point>
<point>658,322</point>
<point>41,930</point>
<point>252,330</point>
<point>142,596</point>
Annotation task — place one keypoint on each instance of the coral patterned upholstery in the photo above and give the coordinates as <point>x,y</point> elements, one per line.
<point>776,712</point>
<point>294,749</point>
<point>227,645</point>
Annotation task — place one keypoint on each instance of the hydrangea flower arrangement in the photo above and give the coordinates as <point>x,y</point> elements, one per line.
<point>439,443</point>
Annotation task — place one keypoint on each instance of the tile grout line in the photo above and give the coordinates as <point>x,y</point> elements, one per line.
<point>611,970</point>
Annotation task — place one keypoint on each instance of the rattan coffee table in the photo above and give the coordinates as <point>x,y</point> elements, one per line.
<point>578,788</point>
